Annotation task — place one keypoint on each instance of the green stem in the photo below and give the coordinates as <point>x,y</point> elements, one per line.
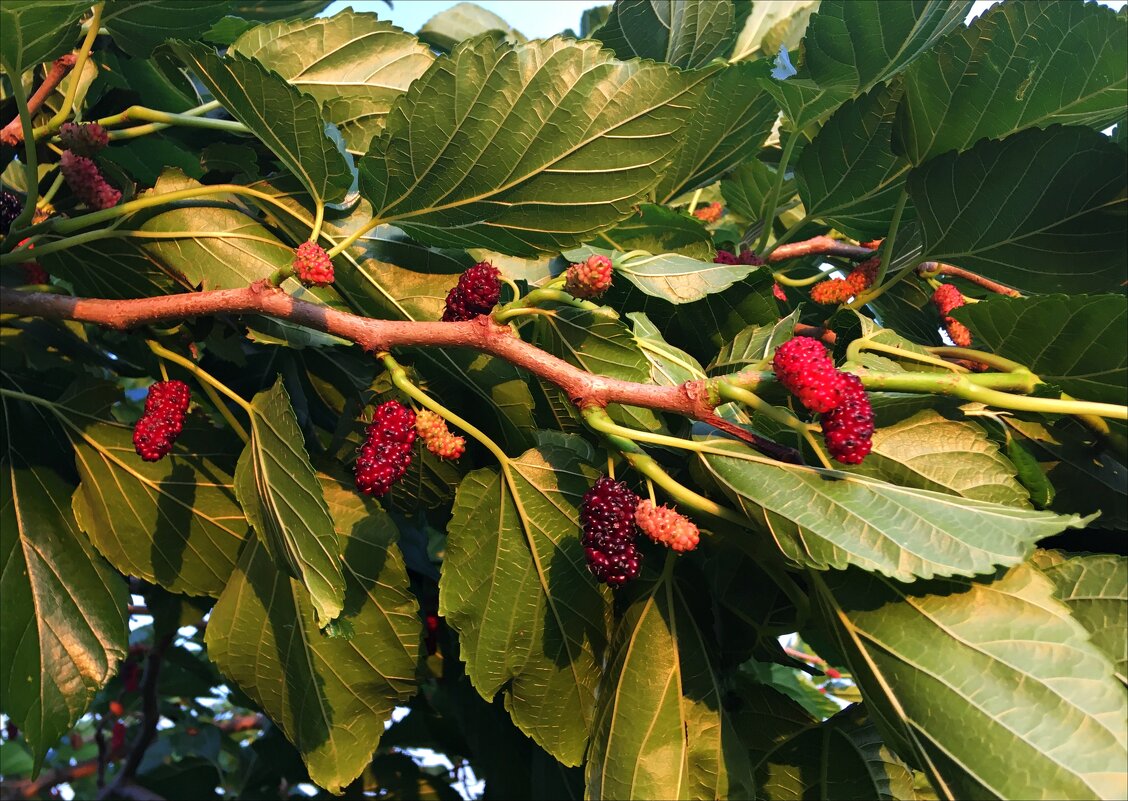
<point>218,403</point>
<point>318,220</point>
<point>200,373</point>
<point>49,195</point>
<point>115,233</point>
<point>545,295</point>
<point>731,392</point>
<point>769,218</point>
<point>782,278</point>
<point>865,343</point>
<point>160,120</point>
<point>605,425</point>
<point>505,315</point>
<point>875,293</point>
<point>31,160</point>
<point>891,237</point>
<point>76,78</point>
<point>990,359</point>
<point>355,235</point>
<point>407,387</point>
<point>693,202</point>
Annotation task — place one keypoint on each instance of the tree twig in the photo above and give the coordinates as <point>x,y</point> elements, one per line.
<point>12,133</point>
<point>930,269</point>
<point>822,245</point>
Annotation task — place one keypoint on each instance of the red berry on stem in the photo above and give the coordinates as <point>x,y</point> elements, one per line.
<point>385,454</point>
<point>87,183</point>
<point>589,279</point>
<point>725,257</point>
<point>667,526</point>
<point>848,429</point>
<point>802,365</point>
<point>312,265</point>
<point>607,516</point>
<point>710,213</point>
<point>477,292</point>
<point>163,420</point>
<point>83,139</point>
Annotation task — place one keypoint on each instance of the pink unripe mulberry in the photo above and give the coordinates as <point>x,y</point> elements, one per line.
<point>87,183</point>
<point>590,279</point>
<point>83,139</point>
<point>312,265</point>
<point>667,526</point>
<point>803,366</point>
<point>437,437</point>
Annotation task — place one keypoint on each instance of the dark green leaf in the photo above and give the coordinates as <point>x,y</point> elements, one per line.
<point>1001,658</point>
<point>330,695</point>
<point>286,120</point>
<point>1072,341</point>
<point>749,187</point>
<point>515,585</point>
<point>147,157</point>
<point>138,26</point>
<point>659,229</point>
<point>267,10</point>
<point>541,167</point>
<point>848,175</point>
<point>36,31</point>
<point>354,64</point>
<point>859,43</point>
<point>685,33</point>
<point>279,491</point>
<point>830,519</point>
<point>1042,210</point>
<point>729,124</point>
<point>1018,66</point>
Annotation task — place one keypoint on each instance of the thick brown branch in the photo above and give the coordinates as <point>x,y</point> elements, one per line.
<point>12,133</point>
<point>934,268</point>
<point>482,334</point>
<point>823,245</point>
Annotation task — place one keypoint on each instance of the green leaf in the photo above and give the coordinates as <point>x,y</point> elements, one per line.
<point>859,43</point>
<point>929,451</point>
<point>117,268</point>
<point>659,229</point>
<point>671,276</point>
<point>840,758</point>
<point>1095,588</point>
<point>685,33</point>
<point>728,125</point>
<point>279,491</point>
<point>464,21</point>
<point>1071,341</point>
<point>174,522</point>
<point>669,366</point>
<point>1001,658</point>
<point>828,519</point>
<point>145,158</point>
<point>540,167</point>
<point>139,26</point>
<point>37,31</point>
<point>267,10</point>
<point>515,586</point>
<point>330,695</point>
<point>748,188</point>
<point>354,64</point>
<point>803,101</point>
<point>1042,210</point>
<point>847,175</point>
<point>772,25</point>
<point>63,632</point>
<point>286,120</point>
<point>660,729</point>
<point>1020,65</point>
<point>753,345</point>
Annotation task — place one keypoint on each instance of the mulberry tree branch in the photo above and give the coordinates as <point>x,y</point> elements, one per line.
<point>931,269</point>
<point>12,133</point>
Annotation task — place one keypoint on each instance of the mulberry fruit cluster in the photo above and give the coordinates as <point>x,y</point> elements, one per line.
<point>34,273</point>
<point>848,428</point>
<point>10,208</point>
<point>589,279</point>
<point>83,139</point>
<point>477,292</point>
<point>745,257</point>
<point>667,526</point>
<point>437,437</point>
<point>312,265</point>
<point>945,298</point>
<point>803,366</point>
<point>87,183</point>
<point>840,290</point>
<point>607,516</point>
<point>710,213</point>
<point>386,453</point>
<point>162,421</point>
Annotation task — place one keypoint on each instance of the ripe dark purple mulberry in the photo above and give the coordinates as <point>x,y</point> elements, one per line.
<point>802,365</point>
<point>607,516</point>
<point>312,265</point>
<point>83,139</point>
<point>10,208</point>
<point>87,183</point>
<point>385,454</point>
<point>163,420</point>
<point>848,429</point>
<point>477,292</point>
<point>745,257</point>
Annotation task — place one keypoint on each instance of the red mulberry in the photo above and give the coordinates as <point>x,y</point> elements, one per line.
<point>87,183</point>
<point>725,257</point>
<point>437,437</point>
<point>590,279</point>
<point>840,290</point>
<point>802,365</point>
<point>778,293</point>
<point>83,139</point>
<point>607,516</point>
<point>710,213</point>
<point>946,298</point>
<point>386,453</point>
<point>848,429</point>
<point>163,420</point>
<point>667,526</point>
<point>10,208</point>
<point>477,292</point>
<point>34,273</point>
<point>312,265</point>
